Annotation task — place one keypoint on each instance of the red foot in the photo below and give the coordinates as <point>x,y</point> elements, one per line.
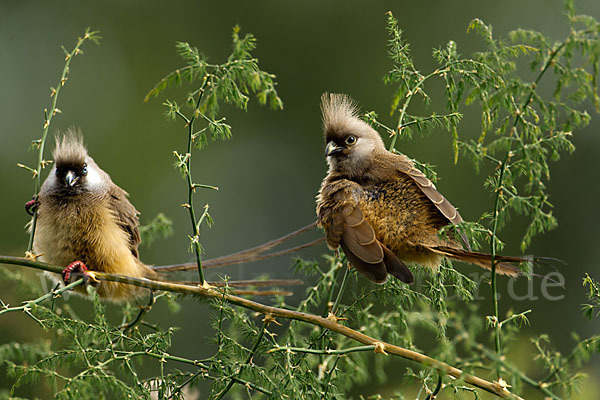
<point>31,206</point>
<point>76,268</point>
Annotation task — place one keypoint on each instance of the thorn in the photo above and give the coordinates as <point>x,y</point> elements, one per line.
<point>501,385</point>
<point>46,163</point>
<point>379,348</point>
<point>335,319</point>
<point>207,286</point>
<point>270,318</point>
<point>92,276</point>
<point>29,255</point>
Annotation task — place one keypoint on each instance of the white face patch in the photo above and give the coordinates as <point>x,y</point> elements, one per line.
<point>363,148</point>
<point>93,178</point>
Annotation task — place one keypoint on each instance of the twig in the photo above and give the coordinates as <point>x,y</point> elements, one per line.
<point>266,322</point>
<point>538,385</point>
<point>258,283</point>
<point>143,310</point>
<point>497,327</point>
<point>329,375</point>
<point>233,285</point>
<point>205,368</point>
<point>341,291</point>
<point>323,351</point>
<point>52,294</point>
<point>383,347</point>
<point>195,239</point>
<point>89,35</point>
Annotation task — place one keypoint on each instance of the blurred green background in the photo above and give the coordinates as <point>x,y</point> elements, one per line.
<point>270,171</point>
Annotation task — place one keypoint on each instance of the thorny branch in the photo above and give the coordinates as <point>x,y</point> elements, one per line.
<point>273,312</point>
<point>48,115</point>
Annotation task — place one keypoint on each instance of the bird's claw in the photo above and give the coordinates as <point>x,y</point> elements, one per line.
<point>77,268</point>
<point>31,206</point>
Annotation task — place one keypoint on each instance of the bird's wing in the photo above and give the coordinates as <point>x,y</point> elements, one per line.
<point>127,217</point>
<point>406,166</point>
<point>339,213</point>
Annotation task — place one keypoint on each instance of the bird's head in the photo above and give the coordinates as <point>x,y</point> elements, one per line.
<point>74,170</point>
<point>350,142</point>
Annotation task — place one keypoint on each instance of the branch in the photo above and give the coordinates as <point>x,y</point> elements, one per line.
<point>266,322</point>
<point>191,190</point>
<point>327,323</point>
<point>26,307</point>
<point>325,351</point>
<point>37,173</point>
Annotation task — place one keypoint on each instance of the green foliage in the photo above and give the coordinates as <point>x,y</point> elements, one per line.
<point>160,226</point>
<point>253,356</point>
<point>592,310</point>
<point>231,82</point>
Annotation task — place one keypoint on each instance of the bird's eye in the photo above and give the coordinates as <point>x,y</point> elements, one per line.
<point>350,140</point>
<point>84,170</point>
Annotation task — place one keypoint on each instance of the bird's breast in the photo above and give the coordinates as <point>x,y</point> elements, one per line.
<point>84,230</point>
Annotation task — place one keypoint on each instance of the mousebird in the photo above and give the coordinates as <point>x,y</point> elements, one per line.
<point>382,211</point>
<point>86,222</point>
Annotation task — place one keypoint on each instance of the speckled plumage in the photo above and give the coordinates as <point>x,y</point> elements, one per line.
<point>91,221</point>
<point>381,210</point>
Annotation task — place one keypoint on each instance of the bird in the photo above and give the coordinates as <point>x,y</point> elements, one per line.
<point>86,222</point>
<point>382,211</point>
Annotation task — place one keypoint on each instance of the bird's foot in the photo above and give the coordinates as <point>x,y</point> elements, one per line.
<point>76,269</point>
<point>31,206</point>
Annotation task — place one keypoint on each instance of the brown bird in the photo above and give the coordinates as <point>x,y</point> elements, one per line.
<point>382,211</point>
<point>85,221</point>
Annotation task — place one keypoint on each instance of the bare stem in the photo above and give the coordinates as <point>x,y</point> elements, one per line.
<point>89,35</point>
<point>52,294</point>
<point>191,189</point>
<point>323,351</point>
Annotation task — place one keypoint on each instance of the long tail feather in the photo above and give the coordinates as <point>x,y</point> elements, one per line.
<point>245,256</point>
<point>503,263</point>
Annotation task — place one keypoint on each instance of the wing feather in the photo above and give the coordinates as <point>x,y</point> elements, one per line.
<point>428,188</point>
<point>127,217</point>
<point>446,208</point>
<point>340,215</point>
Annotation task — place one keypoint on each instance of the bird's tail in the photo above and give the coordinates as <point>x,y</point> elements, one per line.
<point>504,264</point>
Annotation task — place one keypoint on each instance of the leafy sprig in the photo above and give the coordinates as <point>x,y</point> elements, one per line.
<point>232,82</point>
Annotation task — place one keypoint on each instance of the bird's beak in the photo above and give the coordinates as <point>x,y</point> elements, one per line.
<point>332,149</point>
<point>71,178</point>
